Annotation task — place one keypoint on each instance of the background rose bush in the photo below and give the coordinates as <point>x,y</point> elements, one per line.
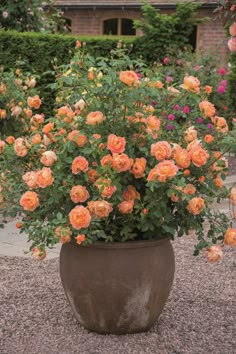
<point>128,156</point>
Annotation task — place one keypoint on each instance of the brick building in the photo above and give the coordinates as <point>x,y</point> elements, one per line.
<point>98,17</point>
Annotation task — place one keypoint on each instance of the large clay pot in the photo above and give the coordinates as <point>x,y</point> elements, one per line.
<point>117,288</point>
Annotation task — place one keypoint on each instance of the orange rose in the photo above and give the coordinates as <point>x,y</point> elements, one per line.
<point>36,120</point>
<point>102,208</point>
<point>116,144</point>
<point>34,102</point>
<point>152,176</point>
<point>232,29</point>
<point>44,177</point>
<point>3,88</point>
<point>221,124</point>
<point>20,147</point>
<point>80,239</point>
<point>230,237</point>
<point>232,196</point>
<point>79,194</point>
<point>207,108</point>
<point>199,156</point>
<point>30,178</point>
<point>196,205</point>
<point>92,176</point>
<point>3,113</point>
<point>29,201</point>
<point>65,112</point>
<point>156,84</point>
<point>191,83</point>
<point>91,75</point>
<point>77,138</point>
<point>153,122</point>
<point>139,167</point>
<point>131,193</point>
<point>174,198</point>
<point>189,189</point>
<point>91,207</point>
<point>208,89</point>
<point>128,77</point>
<point>2,146</point>
<point>28,112</point>
<point>122,162</point>
<point>19,225</point>
<point>126,207</point>
<point>36,139</point>
<point>38,253</point>
<point>208,138</point>
<point>10,139</point>
<point>182,157</point>
<point>165,170</point>
<point>94,118</point>
<point>201,179</point>
<point>190,134</point>
<point>107,160</point>
<point>104,184</point>
<point>161,150</point>
<point>79,164</point>
<point>214,253</point>
<point>80,105</point>
<point>63,234</point>
<point>195,144</point>
<point>48,128</point>
<point>218,182</point>
<point>79,217</point>
<point>48,158</point>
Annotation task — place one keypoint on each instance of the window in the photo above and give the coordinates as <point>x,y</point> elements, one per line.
<point>127,27</point>
<point>119,26</point>
<point>110,26</point>
<point>193,38</point>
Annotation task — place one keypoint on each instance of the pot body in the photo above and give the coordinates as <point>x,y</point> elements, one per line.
<point>117,288</point>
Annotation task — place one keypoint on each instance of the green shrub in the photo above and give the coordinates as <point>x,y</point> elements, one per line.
<point>41,54</point>
<point>165,32</point>
<point>31,15</point>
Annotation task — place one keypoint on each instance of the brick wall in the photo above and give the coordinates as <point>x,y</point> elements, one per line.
<point>210,35</point>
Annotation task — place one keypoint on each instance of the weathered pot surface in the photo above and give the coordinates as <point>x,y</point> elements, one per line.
<point>117,288</point>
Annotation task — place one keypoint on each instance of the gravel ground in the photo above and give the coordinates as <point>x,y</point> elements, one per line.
<point>199,317</point>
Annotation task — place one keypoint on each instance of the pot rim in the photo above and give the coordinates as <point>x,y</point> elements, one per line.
<point>126,244</point>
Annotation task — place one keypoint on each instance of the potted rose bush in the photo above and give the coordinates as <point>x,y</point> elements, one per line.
<point>127,160</point>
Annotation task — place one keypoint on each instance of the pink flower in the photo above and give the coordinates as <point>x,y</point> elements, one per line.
<point>169,78</point>
<point>177,107</point>
<point>171,117</point>
<point>200,120</point>
<point>222,71</point>
<point>186,109</point>
<point>165,61</point>
<point>221,89</point>
<point>224,83</point>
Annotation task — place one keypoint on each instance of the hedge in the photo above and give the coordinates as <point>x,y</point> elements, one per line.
<point>36,53</point>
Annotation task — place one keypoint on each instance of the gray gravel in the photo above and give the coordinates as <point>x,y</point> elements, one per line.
<point>199,317</point>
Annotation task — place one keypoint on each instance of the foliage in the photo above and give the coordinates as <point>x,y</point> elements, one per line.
<point>206,67</point>
<point>126,157</point>
<point>31,15</point>
<point>40,54</point>
<point>165,32</point>
<point>15,115</point>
